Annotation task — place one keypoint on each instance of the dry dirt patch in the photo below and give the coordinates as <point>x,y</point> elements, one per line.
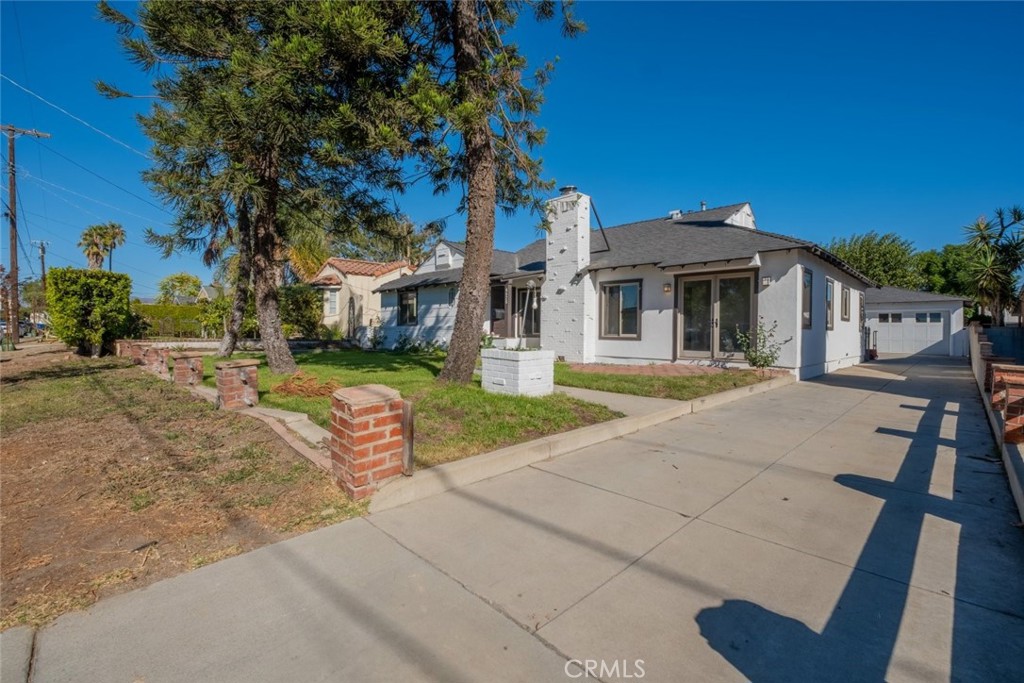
<point>111,479</point>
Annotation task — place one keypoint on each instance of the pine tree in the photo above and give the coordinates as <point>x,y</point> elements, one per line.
<point>267,110</point>
<point>475,90</point>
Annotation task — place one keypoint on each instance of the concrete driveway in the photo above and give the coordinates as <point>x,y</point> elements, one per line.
<point>850,529</point>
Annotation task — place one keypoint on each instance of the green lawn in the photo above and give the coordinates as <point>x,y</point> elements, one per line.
<point>678,388</point>
<point>452,421</point>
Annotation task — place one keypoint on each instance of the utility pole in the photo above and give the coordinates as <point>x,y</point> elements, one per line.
<point>42,260</point>
<point>12,196</point>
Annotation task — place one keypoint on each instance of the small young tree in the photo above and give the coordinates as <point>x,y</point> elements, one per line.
<point>178,288</point>
<point>760,349</point>
<point>88,308</point>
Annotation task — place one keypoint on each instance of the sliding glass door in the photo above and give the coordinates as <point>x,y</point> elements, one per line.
<point>713,311</point>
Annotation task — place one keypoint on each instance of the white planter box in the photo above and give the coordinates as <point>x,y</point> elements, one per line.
<point>521,373</point>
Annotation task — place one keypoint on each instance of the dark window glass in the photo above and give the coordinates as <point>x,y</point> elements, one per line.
<point>845,303</point>
<point>883,317</point>
<point>935,317</point>
<point>830,321</point>
<point>896,317</point>
<point>920,317</point>
<point>407,308</point>
<point>808,285</point>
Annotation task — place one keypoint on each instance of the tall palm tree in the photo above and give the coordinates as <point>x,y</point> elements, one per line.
<point>94,246</point>
<point>113,237</point>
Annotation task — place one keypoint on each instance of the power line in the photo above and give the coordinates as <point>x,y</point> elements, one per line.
<point>109,182</point>
<point>32,105</point>
<point>76,118</point>
<point>38,180</point>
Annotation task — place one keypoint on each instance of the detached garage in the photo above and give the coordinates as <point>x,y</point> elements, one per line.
<point>908,322</point>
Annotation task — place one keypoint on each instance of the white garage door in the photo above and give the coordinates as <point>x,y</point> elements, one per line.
<point>912,332</point>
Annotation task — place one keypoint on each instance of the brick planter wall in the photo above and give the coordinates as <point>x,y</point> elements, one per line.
<point>188,368</point>
<point>367,438</point>
<point>237,384</point>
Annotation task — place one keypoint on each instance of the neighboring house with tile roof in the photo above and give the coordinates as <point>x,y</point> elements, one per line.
<point>907,321</point>
<point>349,291</point>
<point>671,289</point>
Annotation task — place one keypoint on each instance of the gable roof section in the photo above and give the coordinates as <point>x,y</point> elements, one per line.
<point>897,295</point>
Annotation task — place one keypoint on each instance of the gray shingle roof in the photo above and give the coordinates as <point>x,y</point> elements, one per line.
<point>692,238</point>
<point>896,295</point>
<point>447,276</point>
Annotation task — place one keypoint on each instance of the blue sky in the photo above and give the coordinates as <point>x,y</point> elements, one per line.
<point>830,118</point>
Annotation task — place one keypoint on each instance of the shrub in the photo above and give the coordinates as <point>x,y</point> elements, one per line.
<point>759,347</point>
<point>302,309</point>
<point>88,308</point>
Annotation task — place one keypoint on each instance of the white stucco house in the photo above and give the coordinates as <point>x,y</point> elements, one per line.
<point>910,322</point>
<point>670,289</point>
<point>349,289</point>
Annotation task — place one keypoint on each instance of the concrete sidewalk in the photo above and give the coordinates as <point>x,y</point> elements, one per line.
<point>853,528</point>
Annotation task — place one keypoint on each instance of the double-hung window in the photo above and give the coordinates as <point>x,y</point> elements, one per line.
<point>620,309</point>
<point>332,302</point>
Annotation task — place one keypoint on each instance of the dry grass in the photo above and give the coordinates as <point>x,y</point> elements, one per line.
<point>112,479</point>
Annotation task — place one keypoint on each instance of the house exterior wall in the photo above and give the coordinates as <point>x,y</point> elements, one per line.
<point>568,300</point>
<point>657,318</point>
<point>954,335</point>
<point>435,315</point>
<point>779,303</point>
<point>823,350</point>
<point>367,303</point>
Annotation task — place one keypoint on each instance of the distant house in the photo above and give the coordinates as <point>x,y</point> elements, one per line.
<point>910,322</point>
<point>213,291</point>
<point>673,289</point>
<point>349,297</point>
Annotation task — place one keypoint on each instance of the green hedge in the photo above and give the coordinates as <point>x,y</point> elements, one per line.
<point>171,320</point>
<point>88,308</point>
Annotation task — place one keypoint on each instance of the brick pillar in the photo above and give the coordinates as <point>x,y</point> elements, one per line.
<point>164,366</point>
<point>366,437</point>
<point>989,362</point>
<point>188,368</point>
<point>1000,374</point>
<point>138,353</point>
<point>237,384</point>
<point>151,360</point>
<point>1013,411</point>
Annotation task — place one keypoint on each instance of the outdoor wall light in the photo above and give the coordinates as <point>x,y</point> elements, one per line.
<point>667,288</point>
<point>766,280</point>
